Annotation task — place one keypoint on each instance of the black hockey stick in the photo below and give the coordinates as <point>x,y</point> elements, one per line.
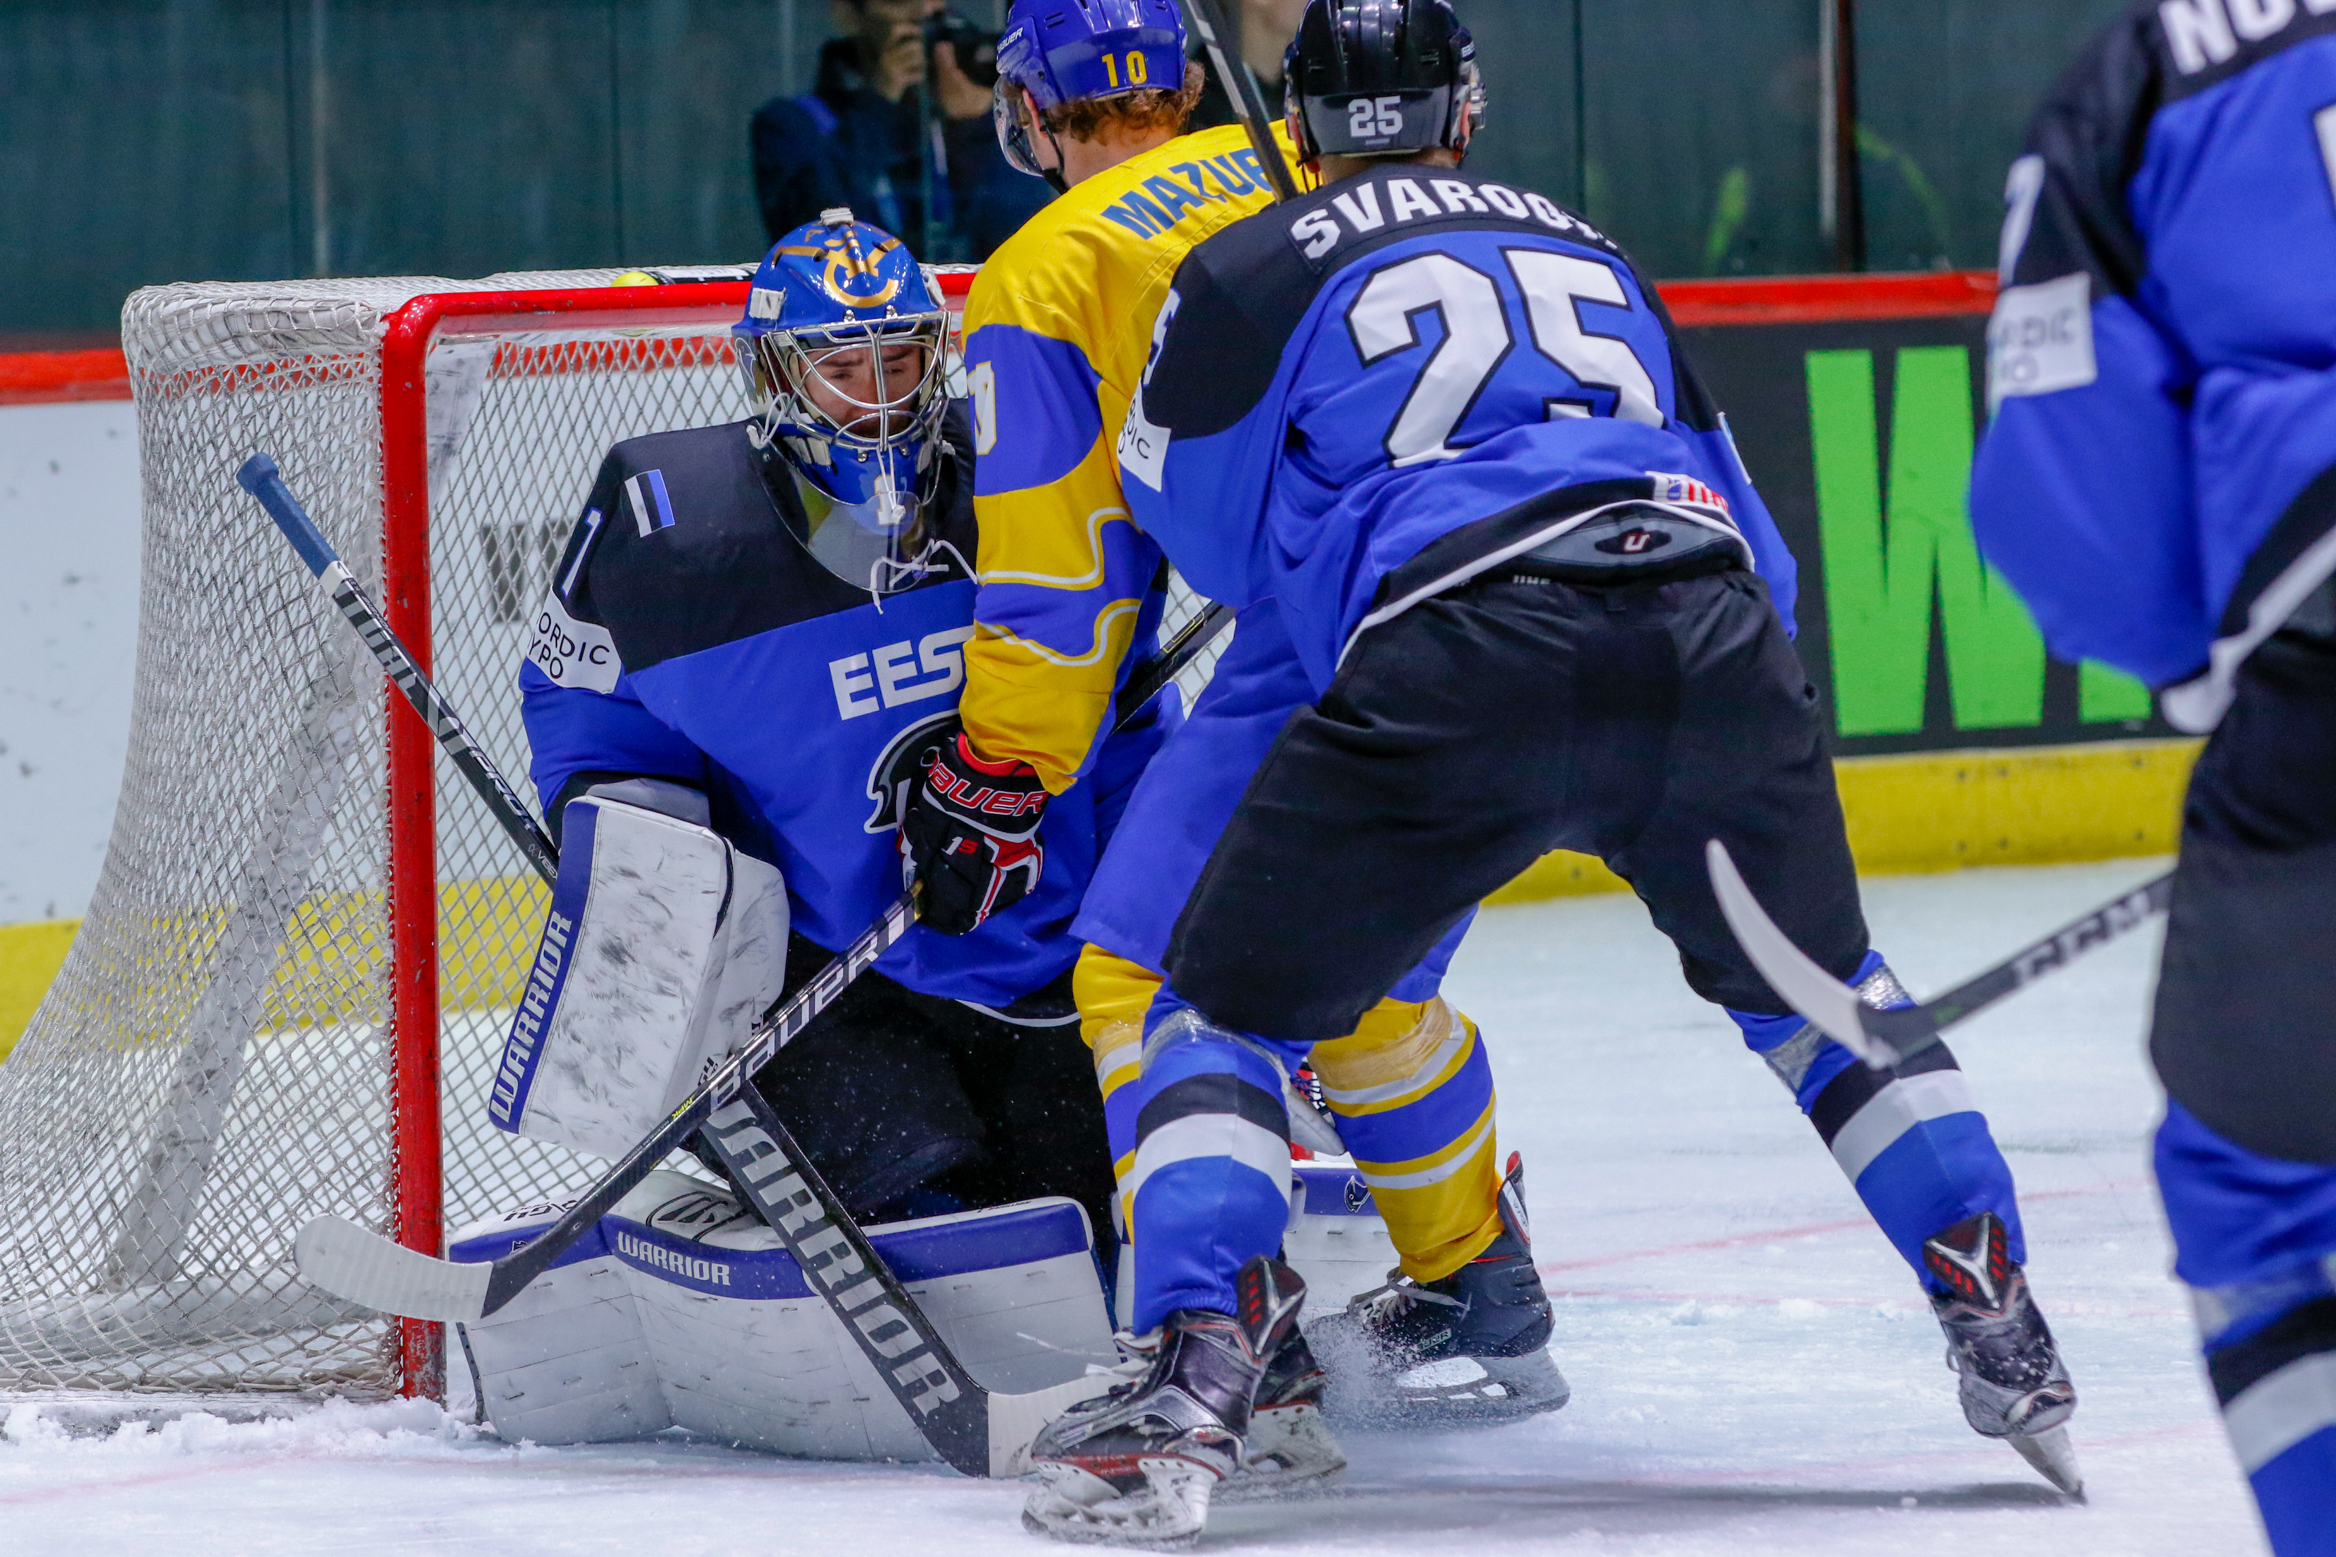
<point>978,1432</point>
<point>1886,1038</point>
<point>1184,646</point>
<point>1208,19</point>
<point>262,480</point>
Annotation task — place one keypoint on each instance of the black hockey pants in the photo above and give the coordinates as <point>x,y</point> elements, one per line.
<point>2244,1034</point>
<point>1489,725</point>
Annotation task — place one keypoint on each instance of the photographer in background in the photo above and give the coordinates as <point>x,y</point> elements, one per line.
<point>897,127</point>
<point>1267,26</point>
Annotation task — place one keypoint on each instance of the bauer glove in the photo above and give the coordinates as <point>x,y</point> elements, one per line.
<point>971,834</point>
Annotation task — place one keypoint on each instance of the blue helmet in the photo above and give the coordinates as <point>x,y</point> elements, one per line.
<point>1060,51</point>
<point>844,347</point>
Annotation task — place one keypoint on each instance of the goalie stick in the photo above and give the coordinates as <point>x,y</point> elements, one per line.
<point>260,477</point>
<point>975,1430</point>
<point>1886,1038</point>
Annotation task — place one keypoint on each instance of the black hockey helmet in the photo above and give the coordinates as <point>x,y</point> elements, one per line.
<point>1373,78</point>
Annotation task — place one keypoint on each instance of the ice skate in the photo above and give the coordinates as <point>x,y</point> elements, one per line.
<point>1289,1448</point>
<point>2014,1385</point>
<point>1141,1470</point>
<point>1471,1347</point>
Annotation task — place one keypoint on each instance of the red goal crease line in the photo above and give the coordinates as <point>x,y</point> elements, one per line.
<point>57,377</point>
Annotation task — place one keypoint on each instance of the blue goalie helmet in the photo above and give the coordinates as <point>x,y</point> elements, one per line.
<point>844,347</point>
<point>1061,51</point>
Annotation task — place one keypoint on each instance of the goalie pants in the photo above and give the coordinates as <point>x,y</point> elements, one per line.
<point>2244,1037</point>
<point>911,1105</point>
<point>1460,742</point>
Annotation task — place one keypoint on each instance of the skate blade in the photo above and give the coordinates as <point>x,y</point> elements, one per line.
<point>1166,1514</point>
<point>1459,1390</point>
<point>1291,1454</point>
<point>2053,1456</point>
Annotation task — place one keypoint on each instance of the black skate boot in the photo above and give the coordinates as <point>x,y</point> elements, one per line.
<point>2014,1385</point>
<point>1289,1447</point>
<point>1472,1347</point>
<point>1140,1470</point>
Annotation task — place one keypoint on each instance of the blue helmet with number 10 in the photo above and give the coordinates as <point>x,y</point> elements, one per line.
<point>1061,51</point>
<point>843,347</point>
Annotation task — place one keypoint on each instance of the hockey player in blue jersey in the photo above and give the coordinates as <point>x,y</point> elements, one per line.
<point>2159,482</point>
<point>1442,424</point>
<point>766,618</point>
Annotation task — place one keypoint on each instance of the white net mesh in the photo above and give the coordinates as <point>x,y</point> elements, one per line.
<point>212,1066</point>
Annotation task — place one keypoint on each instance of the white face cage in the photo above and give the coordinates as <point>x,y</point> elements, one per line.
<point>831,383</point>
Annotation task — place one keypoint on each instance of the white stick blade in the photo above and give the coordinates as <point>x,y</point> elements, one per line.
<point>347,1261</point>
<point>1016,1419</point>
<point>1829,1004</point>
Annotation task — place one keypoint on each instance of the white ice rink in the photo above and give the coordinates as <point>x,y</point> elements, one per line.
<point>1753,1368</point>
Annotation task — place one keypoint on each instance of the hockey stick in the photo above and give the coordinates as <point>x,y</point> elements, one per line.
<point>976,1431</point>
<point>1184,646</point>
<point>1886,1038</point>
<point>1208,19</point>
<point>262,480</point>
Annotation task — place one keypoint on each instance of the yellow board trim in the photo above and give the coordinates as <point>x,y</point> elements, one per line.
<point>1928,811</point>
<point>30,955</point>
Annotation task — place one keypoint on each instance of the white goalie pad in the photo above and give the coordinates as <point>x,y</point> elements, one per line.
<point>682,1310</point>
<point>662,946</point>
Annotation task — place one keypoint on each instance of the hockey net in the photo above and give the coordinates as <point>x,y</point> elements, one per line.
<point>291,986</point>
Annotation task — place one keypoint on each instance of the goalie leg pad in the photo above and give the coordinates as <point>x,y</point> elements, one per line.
<point>662,946</point>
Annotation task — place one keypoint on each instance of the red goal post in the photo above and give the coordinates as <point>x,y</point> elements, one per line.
<point>287,993</point>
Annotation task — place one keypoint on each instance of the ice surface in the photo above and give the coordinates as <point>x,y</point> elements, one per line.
<point>1753,1369</point>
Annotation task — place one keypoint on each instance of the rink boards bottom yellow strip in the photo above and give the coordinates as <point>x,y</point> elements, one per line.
<point>1926,811</point>
<point>1923,812</point>
<point>30,955</point>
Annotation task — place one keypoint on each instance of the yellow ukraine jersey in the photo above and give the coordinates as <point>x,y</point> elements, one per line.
<point>1057,330</point>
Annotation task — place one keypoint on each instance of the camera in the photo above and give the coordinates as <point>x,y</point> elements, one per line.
<point>975,46</point>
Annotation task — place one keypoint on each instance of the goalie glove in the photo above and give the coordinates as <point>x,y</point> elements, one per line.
<point>971,834</point>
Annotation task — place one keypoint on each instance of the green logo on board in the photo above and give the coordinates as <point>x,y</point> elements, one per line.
<point>1895,541</point>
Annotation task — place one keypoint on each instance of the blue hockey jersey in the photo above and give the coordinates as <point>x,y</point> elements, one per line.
<point>690,635</point>
<point>1412,369</point>
<point>2162,362</point>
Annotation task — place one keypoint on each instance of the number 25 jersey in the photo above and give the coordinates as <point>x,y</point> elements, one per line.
<point>1371,393</point>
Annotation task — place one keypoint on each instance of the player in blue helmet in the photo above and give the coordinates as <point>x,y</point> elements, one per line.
<point>765,619</point>
<point>1055,53</point>
<point>843,348</point>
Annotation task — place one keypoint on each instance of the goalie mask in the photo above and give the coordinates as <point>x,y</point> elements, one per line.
<point>843,347</point>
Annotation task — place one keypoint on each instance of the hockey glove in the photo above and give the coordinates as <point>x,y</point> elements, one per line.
<point>971,834</point>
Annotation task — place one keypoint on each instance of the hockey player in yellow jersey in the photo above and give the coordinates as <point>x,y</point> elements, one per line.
<point>1057,331</point>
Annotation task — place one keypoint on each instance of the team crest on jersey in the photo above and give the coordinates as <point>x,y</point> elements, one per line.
<point>847,272</point>
<point>895,769</point>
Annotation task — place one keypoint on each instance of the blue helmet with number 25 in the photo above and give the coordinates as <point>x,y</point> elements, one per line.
<point>1374,78</point>
<point>1061,51</point>
<point>844,349</point>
